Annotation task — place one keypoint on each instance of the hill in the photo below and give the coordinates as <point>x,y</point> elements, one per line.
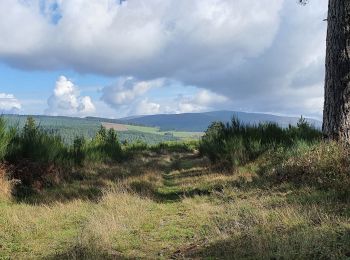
<point>70,127</point>
<point>199,122</point>
<point>152,128</point>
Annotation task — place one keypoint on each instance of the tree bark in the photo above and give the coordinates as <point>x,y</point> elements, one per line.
<point>336,114</point>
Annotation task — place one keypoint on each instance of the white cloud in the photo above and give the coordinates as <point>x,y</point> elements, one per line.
<point>9,103</point>
<point>248,51</point>
<point>66,100</point>
<point>207,98</point>
<point>132,96</point>
<point>142,36</point>
<point>86,105</point>
<point>145,107</point>
<point>126,90</point>
<point>203,100</point>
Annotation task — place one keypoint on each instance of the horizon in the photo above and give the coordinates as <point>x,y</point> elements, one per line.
<point>165,114</point>
<point>132,59</point>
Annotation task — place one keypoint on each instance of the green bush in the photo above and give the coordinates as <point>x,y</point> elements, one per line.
<point>79,152</point>
<point>36,145</point>
<point>235,144</point>
<point>136,146</point>
<point>4,139</point>
<point>105,146</point>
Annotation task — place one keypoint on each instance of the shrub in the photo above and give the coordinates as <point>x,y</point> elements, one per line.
<point>188,146</point>
<point>79,152</point>
<point>105,146</point>
<point>4,139</point>
<point>234,144</point>
<point>136,146</point>
<point>36,145</point>
<point>213,141</point>
<point>41,158</point>
<point>325,165</point>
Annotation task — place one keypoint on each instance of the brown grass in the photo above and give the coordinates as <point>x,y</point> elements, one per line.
<point>117,127</point>
<point>150,208</point>
<point>6,186</point>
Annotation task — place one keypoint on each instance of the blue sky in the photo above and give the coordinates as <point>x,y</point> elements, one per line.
<point>100,58</point>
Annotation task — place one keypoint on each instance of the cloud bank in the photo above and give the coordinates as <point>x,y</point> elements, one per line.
<point>133,95</point>
<point>126,90</point>
<point>264,55</point>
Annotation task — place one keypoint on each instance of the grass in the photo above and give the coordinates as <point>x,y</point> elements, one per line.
<point>285,198</point>
<point>175,205</point>
<point>155,130</point>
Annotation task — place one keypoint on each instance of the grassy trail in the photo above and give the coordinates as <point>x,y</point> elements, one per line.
<point>174,206</point>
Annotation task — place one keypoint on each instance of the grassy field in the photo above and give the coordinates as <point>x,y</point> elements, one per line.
<point>242,192</point>
<point>173,205</point>
<point>154,130</point>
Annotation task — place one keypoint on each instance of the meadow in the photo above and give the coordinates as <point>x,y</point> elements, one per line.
<point>180,135</point>
<point>241,192</point>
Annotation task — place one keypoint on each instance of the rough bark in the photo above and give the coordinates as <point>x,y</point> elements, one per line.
<point>336,114</point>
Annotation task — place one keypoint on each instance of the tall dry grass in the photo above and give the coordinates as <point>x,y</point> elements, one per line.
<point>6,186</point>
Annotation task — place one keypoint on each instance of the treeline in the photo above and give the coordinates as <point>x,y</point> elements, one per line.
<point>68,128</point>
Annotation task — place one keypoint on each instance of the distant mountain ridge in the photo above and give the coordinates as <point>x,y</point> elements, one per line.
<point>188,122</point>
<point>199,122</point>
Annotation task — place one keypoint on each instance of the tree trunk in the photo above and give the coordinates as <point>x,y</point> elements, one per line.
<point>336,114</point>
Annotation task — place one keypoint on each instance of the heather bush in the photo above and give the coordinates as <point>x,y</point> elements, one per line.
<point>235,144</point>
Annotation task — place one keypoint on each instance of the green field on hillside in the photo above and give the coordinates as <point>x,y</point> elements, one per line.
<point>69,128</point>
<point>156,130</point>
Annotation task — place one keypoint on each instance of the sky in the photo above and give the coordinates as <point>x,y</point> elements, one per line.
<point>111,59</point>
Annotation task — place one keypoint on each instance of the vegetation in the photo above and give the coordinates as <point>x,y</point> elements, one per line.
<point>285,195</point>
<point>68,128</point>
<point>156,130</point>
<point>234,144</point>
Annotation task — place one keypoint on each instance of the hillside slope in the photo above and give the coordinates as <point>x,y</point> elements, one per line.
<point>199,122</point>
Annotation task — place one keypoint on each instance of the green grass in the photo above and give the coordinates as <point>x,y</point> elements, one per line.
<point>156,130</point>
<point>145,129</point>
<point>168,201</point>
<point>175,205</point>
